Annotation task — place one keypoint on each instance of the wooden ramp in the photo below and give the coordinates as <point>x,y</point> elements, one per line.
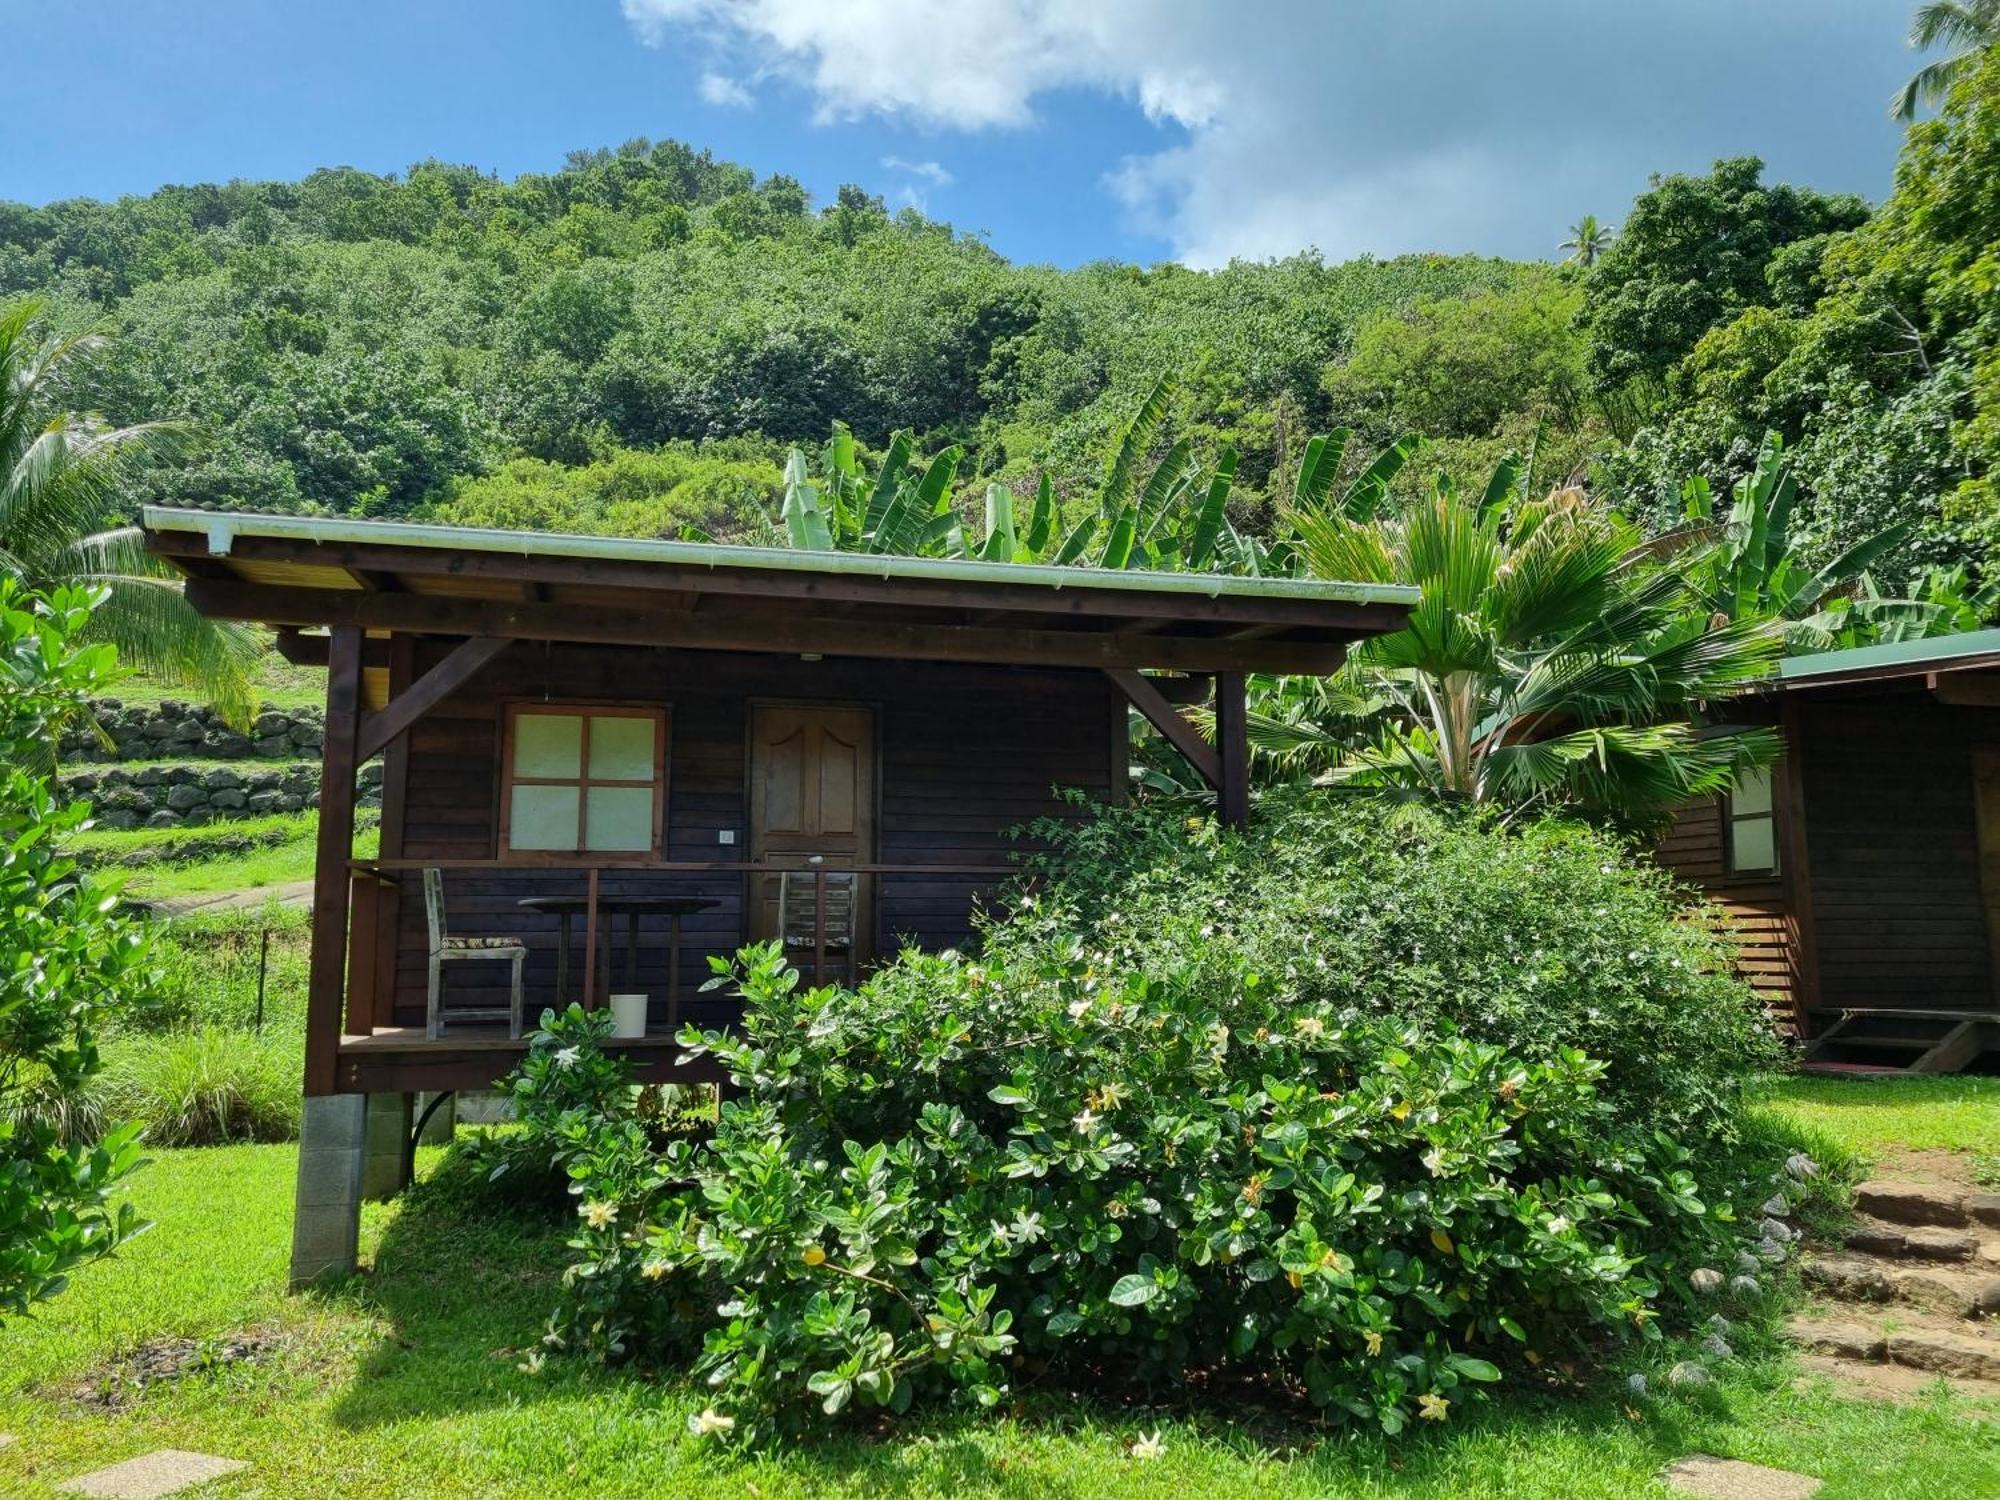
<point>1894,1040</point>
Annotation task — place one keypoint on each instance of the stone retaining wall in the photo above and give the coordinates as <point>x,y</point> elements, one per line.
<point>188,731</point>
<point>186,796</point>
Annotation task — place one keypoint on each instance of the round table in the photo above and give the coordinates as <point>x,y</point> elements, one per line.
<point>566,908</point>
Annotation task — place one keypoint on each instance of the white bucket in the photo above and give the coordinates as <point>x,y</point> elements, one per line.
<point>628,1015</point>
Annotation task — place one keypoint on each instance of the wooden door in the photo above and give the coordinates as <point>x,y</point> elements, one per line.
<point>812,792</point>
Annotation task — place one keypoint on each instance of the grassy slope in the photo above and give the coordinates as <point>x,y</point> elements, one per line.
<point>408,1381</point>
<point>282,685</point>
<point>1955,1114</point>
<point>287,857</point>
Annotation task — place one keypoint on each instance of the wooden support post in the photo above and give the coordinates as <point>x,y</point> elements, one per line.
<point>335,847</point>
<point>1232,744</point>
<point>395,787</point>
<point>1118,746</point>
<point>1164,717</point>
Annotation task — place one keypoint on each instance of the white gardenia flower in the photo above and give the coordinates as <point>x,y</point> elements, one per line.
<point>1149,1446</point>
<point>1559,1225</point>
<point>1027,1229</point>
<point>1434,1160</point>
<point>710,1423</point>
<point>566,1057</point>
<point>598,1213</point>
<point>1085,1120</point>
<point>1310,1026</point>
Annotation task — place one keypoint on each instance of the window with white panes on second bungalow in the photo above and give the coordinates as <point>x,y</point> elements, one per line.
<point>1750,822</point>
<point>584,779</point>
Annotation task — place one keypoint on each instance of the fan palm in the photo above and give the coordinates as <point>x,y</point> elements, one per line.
<point>62,519</point>
<point>1968,27</point>
<point>1588,240</point>
<point>1552,661</point>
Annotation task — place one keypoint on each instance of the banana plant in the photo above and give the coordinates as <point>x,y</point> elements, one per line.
<point>1750,569</point>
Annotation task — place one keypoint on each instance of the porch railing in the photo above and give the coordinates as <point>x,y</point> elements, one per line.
<point>376,890</point>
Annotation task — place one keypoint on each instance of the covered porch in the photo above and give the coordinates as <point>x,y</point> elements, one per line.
<point>606,762</point>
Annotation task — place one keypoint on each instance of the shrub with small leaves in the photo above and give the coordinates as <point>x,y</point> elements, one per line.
<point>1041,1163</point>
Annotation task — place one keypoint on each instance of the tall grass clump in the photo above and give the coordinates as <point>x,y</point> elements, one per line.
<point>204,1086</point>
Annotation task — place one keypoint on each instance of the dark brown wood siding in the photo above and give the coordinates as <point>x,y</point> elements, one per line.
<point>1755,910</point>
<point>1898,909</point>
<point>965,754</point>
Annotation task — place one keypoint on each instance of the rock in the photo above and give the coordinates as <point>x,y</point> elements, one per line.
<point>1875,1239</point>
<point>116,776</point>
<point>150,776</point>
<point>263,802</point>
<point>188,732</point>
<point>1849,1277</point>
<point>1687,1375</point>
<point>226,744</point>
<point>308,736</point>
<point>1731,1479</point>
<point>1946,1353</point>
<point>228,799</point>
<point>1911,1202</point>
<point>1717,1347</point>
<point>80,785</point>
<point>1776,1206</point>
<point>1985,1207</point>
<point>263,781</point>
<point>1745,1286</point>
<point>1941,1244</point>
<point>221,778</point>
<point>1636,1384</point>
<point>185,796</point>
<point>290,802</point>
<point>1963,1294</point>
<point>271,722</point>
<point>182,775</point>
<point>118,818</point>
<point>271,747</point>
<point>1706,1281</point>
<point>1800,1166</point>
<point>1848,1340</point>
<point>157,729</point>
<point>152,1475</point>
<point>163,819</point>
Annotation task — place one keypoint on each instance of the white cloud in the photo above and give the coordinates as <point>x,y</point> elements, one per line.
<point>1354,125</point>
<point>721,89</point>
<point>930,171</point>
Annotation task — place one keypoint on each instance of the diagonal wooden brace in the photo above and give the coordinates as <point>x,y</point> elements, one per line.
<point>1164,717</point>
<point>429,690</point>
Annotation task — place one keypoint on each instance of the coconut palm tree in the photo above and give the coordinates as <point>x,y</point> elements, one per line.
<point>1587,242</point>
<point>63,518</point>
<point>1555,660</point>
<point>1967,27</point>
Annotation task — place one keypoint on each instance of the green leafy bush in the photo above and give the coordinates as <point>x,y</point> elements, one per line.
<point>67,961</point>
<point>1153,1157</point>
<point>1550,936</point>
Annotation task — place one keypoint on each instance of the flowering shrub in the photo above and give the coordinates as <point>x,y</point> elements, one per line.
<point>970,1173</point>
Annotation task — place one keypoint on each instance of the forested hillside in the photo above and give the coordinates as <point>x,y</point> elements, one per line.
<point>626,344</point>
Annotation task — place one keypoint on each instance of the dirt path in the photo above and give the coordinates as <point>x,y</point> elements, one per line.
<point>291,893</point>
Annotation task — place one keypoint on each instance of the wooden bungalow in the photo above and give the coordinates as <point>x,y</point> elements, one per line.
<point>1862,876</point>
<point>605,761</point>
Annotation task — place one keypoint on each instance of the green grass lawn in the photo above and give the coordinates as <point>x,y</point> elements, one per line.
<point>284,853</point>
<point>1873,1116</point>
<point>408,1381</point>
<point>282,686</point>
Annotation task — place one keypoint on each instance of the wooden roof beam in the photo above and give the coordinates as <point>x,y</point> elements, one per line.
<point>596,624</point>
<point>1082,603</point>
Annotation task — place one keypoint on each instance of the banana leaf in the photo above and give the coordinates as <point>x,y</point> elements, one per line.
<point>1208,522</point>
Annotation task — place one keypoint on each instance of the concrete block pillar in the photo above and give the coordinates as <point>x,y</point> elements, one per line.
<point>442,1126</point>
<point>387,1152</point>
<point>326,1220</point>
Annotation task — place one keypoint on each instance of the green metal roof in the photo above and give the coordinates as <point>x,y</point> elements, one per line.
<point>221,526</point>
<point>1913,656</point>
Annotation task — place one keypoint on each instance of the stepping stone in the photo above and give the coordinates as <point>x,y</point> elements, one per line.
<point>1732,1479</point>
<point>1947,1353</point>
<point>1911,1202</point>
<point>152,1475</point>
<point>1848,1340</point>
<point>1985,1207</point>
<point>1852,1277</point>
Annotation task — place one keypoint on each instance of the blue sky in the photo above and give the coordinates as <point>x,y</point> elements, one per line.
<point>1135,129</point>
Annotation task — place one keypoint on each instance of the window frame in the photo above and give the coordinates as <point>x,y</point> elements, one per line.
<point>583,781</point>
<point>1731,818</point>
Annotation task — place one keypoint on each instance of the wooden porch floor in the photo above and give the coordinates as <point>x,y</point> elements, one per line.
<point>403,1060</point>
